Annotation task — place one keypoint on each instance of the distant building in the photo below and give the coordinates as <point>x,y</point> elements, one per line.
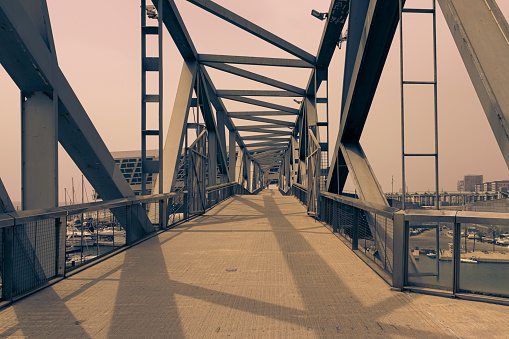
<point>493,186</point>
<point>469,181</point>
<point>129,163</point>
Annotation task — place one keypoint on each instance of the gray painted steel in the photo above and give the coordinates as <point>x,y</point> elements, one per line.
<point>248,26</point>
<point>248,60</point>
<point>39,151</point>
<point>481,33</point>
<point>177,127</point>
<point>255,77</point>
<point>5,201</point>
<point>377,34</point>
<point>222,93</point>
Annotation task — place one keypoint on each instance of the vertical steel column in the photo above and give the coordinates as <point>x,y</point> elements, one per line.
<point>288,168</point>
<point>335,215</point>
<point>8,262</point>
<point>212,158</point>
<point>144,32</point>
<point>221,137</point>
<point>232,156</point>
<point>435,107</point>
<point>355,228</point>
<point>403,178</point>
<point>403,82</point>
<point>294,159</point>
<point>39,150</point>
<point>456,257</point>
<point>160,112</point>
<point>151,64</point>
<point>400,250</point>
<point>248,171</point>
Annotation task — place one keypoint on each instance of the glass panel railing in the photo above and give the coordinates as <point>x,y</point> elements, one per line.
<point>430,255</point>
<point>484,263</point>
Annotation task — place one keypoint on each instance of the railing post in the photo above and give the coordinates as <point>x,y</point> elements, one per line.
<point>163,214</point>
<point>184,205</point>
<point>335,216</point>
<point>8,267</point>
<point>400,250</point>
<point>456,257</point>
<point>355,229</point>
<point>130,234</point>
<point>59,246</point>
<point>322,208</point>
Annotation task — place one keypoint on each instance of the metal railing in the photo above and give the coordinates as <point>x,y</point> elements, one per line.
<point>37,246</point>
<point>464,254</point>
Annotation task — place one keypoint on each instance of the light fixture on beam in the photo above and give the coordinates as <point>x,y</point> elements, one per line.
<point>343,37</point>
<point>151,11</point>
<point>318,15</point>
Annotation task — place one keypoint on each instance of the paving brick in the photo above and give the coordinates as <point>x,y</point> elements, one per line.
<point>254,266</point>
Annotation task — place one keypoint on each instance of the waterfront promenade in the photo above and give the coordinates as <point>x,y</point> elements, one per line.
<point>253,266</point>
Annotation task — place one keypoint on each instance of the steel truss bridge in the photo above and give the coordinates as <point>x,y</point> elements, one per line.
<point>217,157</point>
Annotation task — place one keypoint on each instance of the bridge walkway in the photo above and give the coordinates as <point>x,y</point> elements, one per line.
<point>254,266</point>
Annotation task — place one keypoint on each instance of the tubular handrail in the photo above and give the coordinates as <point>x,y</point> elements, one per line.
<point>220,186</point>
<point>457,217</point>
<point>302,187</point>
<point>383,210</point>
<point>21,217</point>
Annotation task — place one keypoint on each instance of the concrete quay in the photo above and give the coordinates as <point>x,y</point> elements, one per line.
<point>252,267</point>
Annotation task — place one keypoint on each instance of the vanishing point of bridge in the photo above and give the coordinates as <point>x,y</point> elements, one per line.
<point>205,249</point>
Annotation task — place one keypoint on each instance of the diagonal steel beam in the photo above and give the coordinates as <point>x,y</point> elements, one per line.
<point>374,40</point>
<point>177,29</point>
<point>267,143</point>
<point>481,33</point>
<point>255,77</point>
<point>258,113</point>
<point>177,127</point>
<point>26,57</point>
<point>250,27</point>
<point>264,137</point>
<point>267,154</point>
<point>211,121</point>
<point>262,130</point>
<point>262,104</point>
<point>270,121</point>
<point>367,185</point>
<point>251,127</point>
<point>265,150</point>
<point>260,93</point>
<point>338,12</point>
<point>259,61</point>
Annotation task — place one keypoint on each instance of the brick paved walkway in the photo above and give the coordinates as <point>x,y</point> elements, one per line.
<point>254,266</point>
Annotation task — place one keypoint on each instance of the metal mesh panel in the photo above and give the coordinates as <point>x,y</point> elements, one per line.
<point>377,239</point>
<point>374,232</point>
<point>176,209</point>
<point>345,221</point>
<point>324,166</point>
<point>93,234</point>
<point>34,254</point>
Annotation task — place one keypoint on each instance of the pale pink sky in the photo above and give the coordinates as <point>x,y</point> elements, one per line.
<point>98,48</point>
